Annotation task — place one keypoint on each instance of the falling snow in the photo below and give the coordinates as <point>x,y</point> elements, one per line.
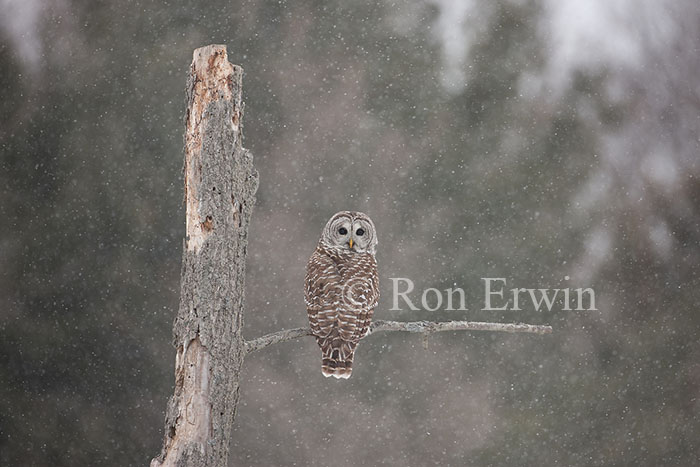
<point>551,143</point>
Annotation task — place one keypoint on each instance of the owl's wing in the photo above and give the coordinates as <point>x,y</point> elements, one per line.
<point>321,293</point>
<point>361,297</point>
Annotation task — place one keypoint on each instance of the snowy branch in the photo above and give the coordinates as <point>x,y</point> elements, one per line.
<point>410,326</point>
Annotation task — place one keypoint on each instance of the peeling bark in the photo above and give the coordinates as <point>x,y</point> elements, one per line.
<point>220,186</point>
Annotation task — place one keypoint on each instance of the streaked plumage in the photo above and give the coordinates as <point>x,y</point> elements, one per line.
<point>342,289</point>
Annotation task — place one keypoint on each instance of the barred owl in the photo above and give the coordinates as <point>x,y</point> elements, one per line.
<point>342,289</point>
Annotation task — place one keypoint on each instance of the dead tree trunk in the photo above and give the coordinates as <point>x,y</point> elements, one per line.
<point>220,185</point>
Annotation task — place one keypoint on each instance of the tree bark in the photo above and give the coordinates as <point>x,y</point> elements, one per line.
<point>220,186</point>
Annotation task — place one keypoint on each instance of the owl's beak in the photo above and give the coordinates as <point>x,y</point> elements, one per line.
<point>351,243</point>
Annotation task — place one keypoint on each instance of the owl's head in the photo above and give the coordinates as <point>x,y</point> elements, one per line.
<point>351,231</point>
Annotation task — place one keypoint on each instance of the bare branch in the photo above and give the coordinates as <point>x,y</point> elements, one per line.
<point>406,326</point>
<point>275,338</point>
<point>432,326</point>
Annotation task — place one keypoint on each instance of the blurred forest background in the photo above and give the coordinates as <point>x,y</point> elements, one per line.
<point>517,139</point>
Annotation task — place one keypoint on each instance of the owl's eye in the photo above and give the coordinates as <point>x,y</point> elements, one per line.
<point>342,231</point>
<point>360,232</point>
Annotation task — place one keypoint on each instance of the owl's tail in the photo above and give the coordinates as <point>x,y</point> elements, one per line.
<point>336,360</point>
